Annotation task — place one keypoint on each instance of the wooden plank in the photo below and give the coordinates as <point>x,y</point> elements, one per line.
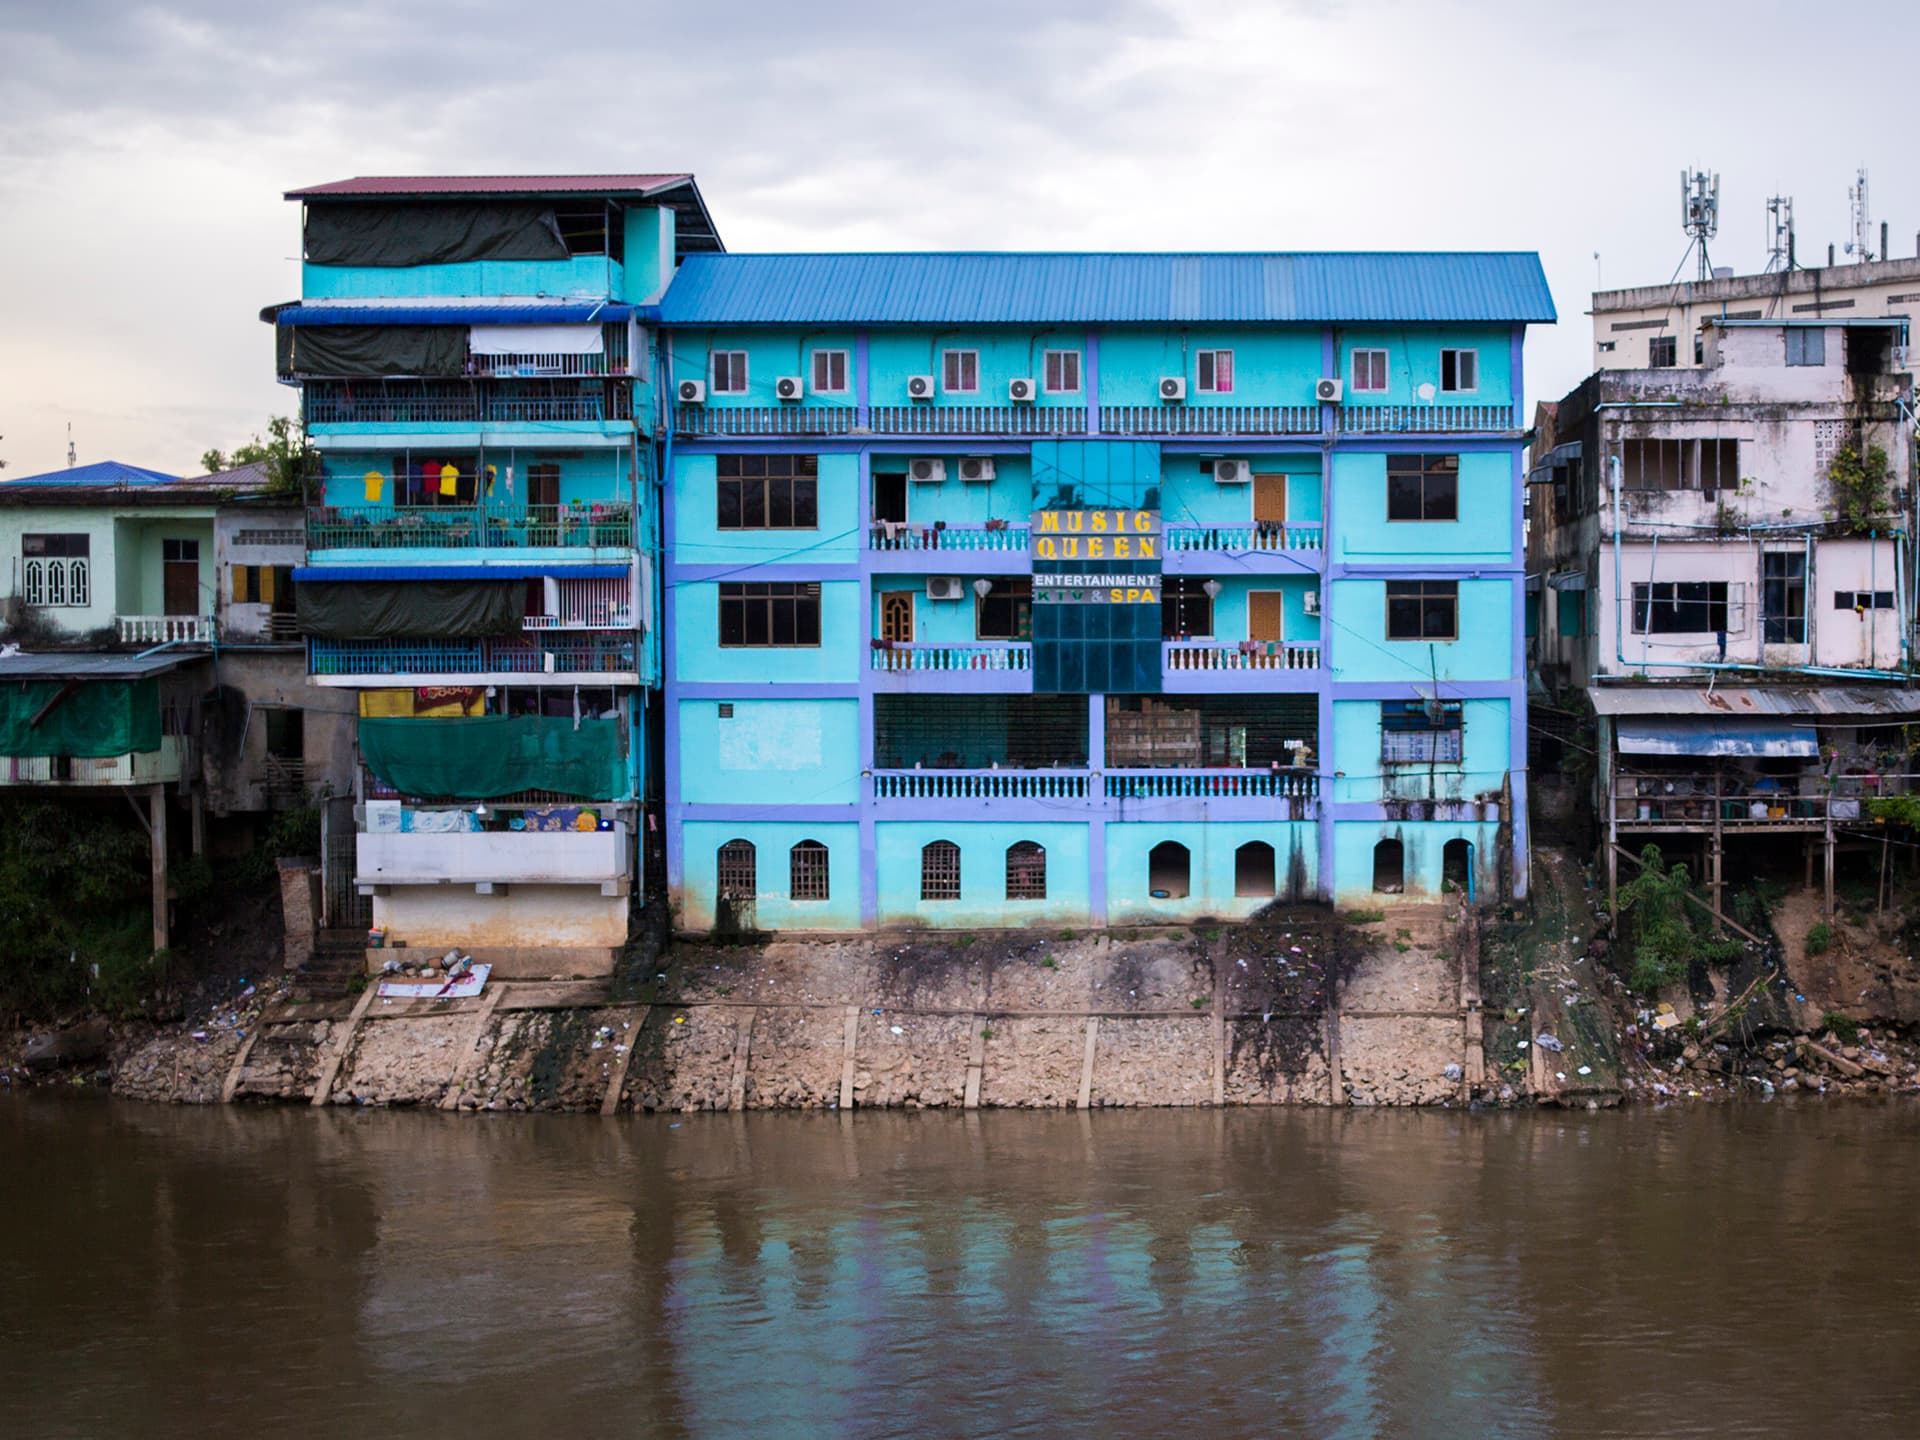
<point>1737,929</point>
<point>744,1016</point>
<point>1086,1063</point>
<point>232,1084</point>
<point>610,1102</point>
<point>847,1064</point>
<point>976,1061</point>
<point>337,1051</point>
<point>469,1057</point>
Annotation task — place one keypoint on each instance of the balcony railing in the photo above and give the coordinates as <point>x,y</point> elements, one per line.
<point>1299,785</point>
<point>765,420</point>
<point>1668,801</point>
<point>147,767</point>
<point>461,527</point>
<point>461,402</point>
<point>979,785</point>
<point>1210,419</point>
<point>893,656</point>
<point>1424,419</point>
<point>552,654</point>
<point>1256,538</point>
<point>879,420</point>
<point>1241,655</point>
<point>165,629</point>
<point>887,535</point>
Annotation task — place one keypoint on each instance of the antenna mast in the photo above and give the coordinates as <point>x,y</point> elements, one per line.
<point>1779,234</point>
<point>1857,204</point>
<point>1700,212</point>
<point>73,456</point>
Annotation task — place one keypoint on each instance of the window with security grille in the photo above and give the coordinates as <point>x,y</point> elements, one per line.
<point>940,871</point>
<point>1423,487</point>
<point>737,878</point>
<point>807,866</point>
<point>961,372</point>
<point>1215,372</point>
<point>1783,597</point>
<point>770,615</point>
<point>768,492</point>
<point>1680,607</point>
<point>1026,871</point>
<point>1423,609</point>
<point>729,372</point>
<point>1663,463</point>
<point>829,372</point>
<point>1369,372</point>
<point>979,732</point>
<point>1459,371</point>
<point>1063,372</point>
<point>1421,731</point>
<point>54,569</point>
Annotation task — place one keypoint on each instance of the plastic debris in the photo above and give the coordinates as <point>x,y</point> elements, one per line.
<point>1521,1044</point>
<point>897,1029</point>
<point>1586,1070</point>
<point>679,1019</point>
<point>1548,1042</point>
<point>1665,1021</point>
<point>1453,1072</point>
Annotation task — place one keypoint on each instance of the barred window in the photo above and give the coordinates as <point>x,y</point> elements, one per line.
<point>1423,609</point>
<point>1423,487</point>
<point>807,871</point>
<point>77,583</point>
<point>770,614</point>
<point>738,880</point>
<point>1416,732</point>
<point>940,871</point>
<point>35,587</point>
<point>769,492</point>
<point>1026,871</point>
<point>54,569</point>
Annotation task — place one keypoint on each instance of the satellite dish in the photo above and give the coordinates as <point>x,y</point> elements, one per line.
<point>1425,392</point>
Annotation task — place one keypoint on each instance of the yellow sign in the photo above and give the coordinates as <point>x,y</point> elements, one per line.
<point>1096,535</point>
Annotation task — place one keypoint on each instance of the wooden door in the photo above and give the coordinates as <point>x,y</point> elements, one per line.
<point>1263,615</point>
<point>1270,499</point>
<point>896,616</point>
<point>180,577</point>
<point>543,487</point>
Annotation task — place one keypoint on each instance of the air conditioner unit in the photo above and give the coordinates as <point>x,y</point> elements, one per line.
<point>976,468</point>
<point>1232,472</point>
<point>945,587</point>
<point>927,472</point>
<point>1327,392</point>
<point>1310,602</point>
<point>693,392</point>
<point>1173,387</point>
<point>1021,391</point>
<point>790,387</point>
<point>919,387</point>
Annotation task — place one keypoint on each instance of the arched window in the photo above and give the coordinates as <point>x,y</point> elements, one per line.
<point>807,871</point>
<point>36,583</point>
<point>1026,871</point>
<point>77,582</point>
<point>1253,869</point>
<point>738,877</point>
<point>1456,864</point>
<point>56,583</point>
<point>1389,867</point>
<point>1169,871</point>
<point>940,871</point>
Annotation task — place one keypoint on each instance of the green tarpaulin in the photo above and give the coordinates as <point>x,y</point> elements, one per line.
<point>100,718</point>
<point>406,609</point>
<point>489,756</point>
<point>444,232</point>
<point>361,350</point>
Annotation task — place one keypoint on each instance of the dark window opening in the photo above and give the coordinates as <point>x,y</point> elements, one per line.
<point>444,479</point>
<point>770,615</point>
<point>1423,609</point>
<point>729,372</point>
<point>1186,610</point>
<point>1783,597</point>
<point>1005,612</point>
<point>592,230</point>
<point>1423,487</point>
<point>1459,371</point>
<point>1169,871</point>
<point>940,871</point>
<point>1869,351</point>
<point>807,871</point>
<point>1389,867</point>
<point>1253,870</point>
<point>890,498</point>
<point>768,492</point>
<point>1657,463</point>
<point>980,732</point>
<point>1662,352</point>
<point>1456,865</point>
<point>1682,607</point>
<point>1026,871</point>
<point>1863,599</point>
<point>736,871</point>
<point>286,734</point>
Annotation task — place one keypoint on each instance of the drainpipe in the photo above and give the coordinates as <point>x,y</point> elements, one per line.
<point>1900,595</point>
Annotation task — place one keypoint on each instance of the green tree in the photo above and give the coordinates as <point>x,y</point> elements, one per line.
<point>1666,938</point>
<point>285,453</point>
<point>1860,488</point>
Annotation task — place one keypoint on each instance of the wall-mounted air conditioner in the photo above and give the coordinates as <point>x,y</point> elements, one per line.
<point>1327,392</point>
<point>1232,472</point>
<point>920,387</point>
<point>1021,391</point>
<point>976,468</point>
<point>693,392</point>
<point>927,472</point>
<point>944,587</point>
<point>790,387</point>
<point>1173,387</point>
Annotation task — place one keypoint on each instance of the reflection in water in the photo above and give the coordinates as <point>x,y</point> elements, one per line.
<point>192,1272</point>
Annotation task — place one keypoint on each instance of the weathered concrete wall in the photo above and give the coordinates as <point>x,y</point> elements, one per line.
<point>430,917</point>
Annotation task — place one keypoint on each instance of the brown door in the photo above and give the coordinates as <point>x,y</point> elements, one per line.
<point>180,577</point>
<point>1270,499</point>
<point>543,486</point>
<point>1263,615</point>
<point>896,616</point>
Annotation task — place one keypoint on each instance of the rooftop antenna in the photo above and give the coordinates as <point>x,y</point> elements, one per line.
<point>73,456</point>
<point>1779,233</point>
<point>1857,203</point>
<point>1700,212</point>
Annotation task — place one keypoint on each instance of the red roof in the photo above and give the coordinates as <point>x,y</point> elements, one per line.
<point>494,185</point>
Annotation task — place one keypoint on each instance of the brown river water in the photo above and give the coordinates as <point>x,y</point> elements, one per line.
<point>1726,1271</point>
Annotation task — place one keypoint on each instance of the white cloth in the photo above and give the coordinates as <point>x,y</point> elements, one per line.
<point>535,340</point>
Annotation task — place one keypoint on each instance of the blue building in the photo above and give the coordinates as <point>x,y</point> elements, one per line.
<point>1090,589</point>
<point>476,374</point>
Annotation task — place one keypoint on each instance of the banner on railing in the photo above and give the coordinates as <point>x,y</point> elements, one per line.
<point>1096,601</point>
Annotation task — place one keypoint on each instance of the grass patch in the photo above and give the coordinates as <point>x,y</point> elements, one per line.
<point>1844,1027</point>
<point>1365,917</point>
<point>1819,938</point>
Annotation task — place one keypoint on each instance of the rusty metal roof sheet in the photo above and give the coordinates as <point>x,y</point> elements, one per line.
<point>1837,703</point>
<point>400,185</point>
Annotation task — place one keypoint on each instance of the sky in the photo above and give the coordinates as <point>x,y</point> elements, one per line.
<point>144,149</point>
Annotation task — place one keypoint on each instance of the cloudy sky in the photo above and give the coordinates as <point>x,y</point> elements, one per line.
<point>144,148</point>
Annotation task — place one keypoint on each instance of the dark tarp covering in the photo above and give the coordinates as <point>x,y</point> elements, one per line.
<point>485,757</point>
<point>378,610</point>
<point>99,719</point>
<point>371,349</point>
<point>436,234</point>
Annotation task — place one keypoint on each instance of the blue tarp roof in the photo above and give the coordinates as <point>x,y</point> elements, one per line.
<point>1697,737</point>
<point>962,289</point>
<point>531,571</point>
<point>101,472</point>
<point>577,313</point>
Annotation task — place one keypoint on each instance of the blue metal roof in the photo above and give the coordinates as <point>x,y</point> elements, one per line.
<point>444,313</point>
<point>1108,289</point>
<point>533,571</point>
<point>101,472</point>
<point>1640,735</point>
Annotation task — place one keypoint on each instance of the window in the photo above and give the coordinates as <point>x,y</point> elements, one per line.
<point>736,871</point>
<point>940,871</point>
<point>1423,487</point>
<point>1420,731</point>
<point>1806,346</point>
<point>1005,612</point>
<point>1456,864</point>
<point>1783,597</point>
<point>807,871</point>
<point>1863,599</point>
<point>1026,871</point>
<point>441,479</point>
<point>1253,870</point>
<point>1662,352</point>
<point>286,733</point>
<point>769,492</point>
<point>1370,372</point>
<point>961,372</point>
<point>1570,608</point>
<point>770,614</point>
<point>1186,610</point>
<point>1423,609</point>
<point>263,585</point>
<point>1681,607</point>
<point>1459,371</point>
<point>729,372</point>
<point>1063,372</point>
<point>1656,463</point>
<point>1216,372</point>
<point>1169,871</point>
<point>54,569</point>
<point>830,372</point>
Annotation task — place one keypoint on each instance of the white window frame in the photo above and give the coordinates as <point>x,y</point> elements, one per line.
<point>736,366</point>
<point>1206,371</point>
<point>1353,370</point>
<point>965,359</point>
<point>1046,371</point>
<point>79,582</point>
<point>33,588</point>
<point>1471,359</point>
<point>846,372</point>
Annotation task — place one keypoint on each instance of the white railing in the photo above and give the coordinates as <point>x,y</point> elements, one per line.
<point>1222,784</point>
<point>147,767</point>
<point>1241,655</point>
<point>1210,419</point>
<point>1424,419</point>
<point>888,535</point>
<point>979,785</point>
<point>165,629</point>
<point>601,604</point>
<point>764,420</point>
<point>977,420</point>
<point>1246,539</point>
<point>979,655</point>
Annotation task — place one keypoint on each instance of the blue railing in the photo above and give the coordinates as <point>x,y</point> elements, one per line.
<point>551,655</point>
<point>462,527</point>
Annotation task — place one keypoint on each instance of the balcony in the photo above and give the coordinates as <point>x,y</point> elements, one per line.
<point>147,767</point>
<point>489,859</point>
<point>465,527</point>
<point>772,420</point>
<point>896,657</point>
<point>1302,786</point>
<point>1256,539</point>
<point>766,420</point>
<point>549,654</point>
<point>165,629</point>
<point>904,538</point>
<point>1425,419</point>
<point>1224,420</point>
<point>1684,802</point>
<point>1240,655</point>
<point>462,402</point>
<point>980,785</point>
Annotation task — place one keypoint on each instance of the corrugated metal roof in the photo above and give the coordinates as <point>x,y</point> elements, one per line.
<point>531,312</point>
<point>1110,288</point>
<point>1732,702</point>
<point>1695,736</point>
<point>504,571</point>
<point>101,472</point>
<point>92,665</point>
<point>400,185</point>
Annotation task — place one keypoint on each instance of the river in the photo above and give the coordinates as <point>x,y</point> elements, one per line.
<point>1729,1271</point>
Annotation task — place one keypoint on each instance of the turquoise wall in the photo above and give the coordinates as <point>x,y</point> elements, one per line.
<point>770,752</point>
<point>1423,842</point>
<point>1211,847</point>
<point>1005,355</point>
<point>1413,360</point>
<point>1485,746</point>
<point>698,540</point>
<point>1271,365</point>
<point>586,276</point>
<point>698,656</point>
<point>983,874</point>
<point>1358,623</point>
<point>1230,606</point>
<point>585,475</point>
<point>1189,495</point>
<point>1008,496</point>
<point>1362,534</point>
<point>770,354</point>
<point>774,909</point>
<point>651,246</point>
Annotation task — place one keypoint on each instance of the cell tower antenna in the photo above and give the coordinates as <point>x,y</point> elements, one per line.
<point>1700,212</point>
<point>1779,233</point>
<point>1857,204</point>
<point>73,456</point>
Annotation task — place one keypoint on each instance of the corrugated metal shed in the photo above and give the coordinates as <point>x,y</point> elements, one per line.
<point>1837,703</point>
<point>101,472</point>
<point>1008,288</point>
<point>402,185</point>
